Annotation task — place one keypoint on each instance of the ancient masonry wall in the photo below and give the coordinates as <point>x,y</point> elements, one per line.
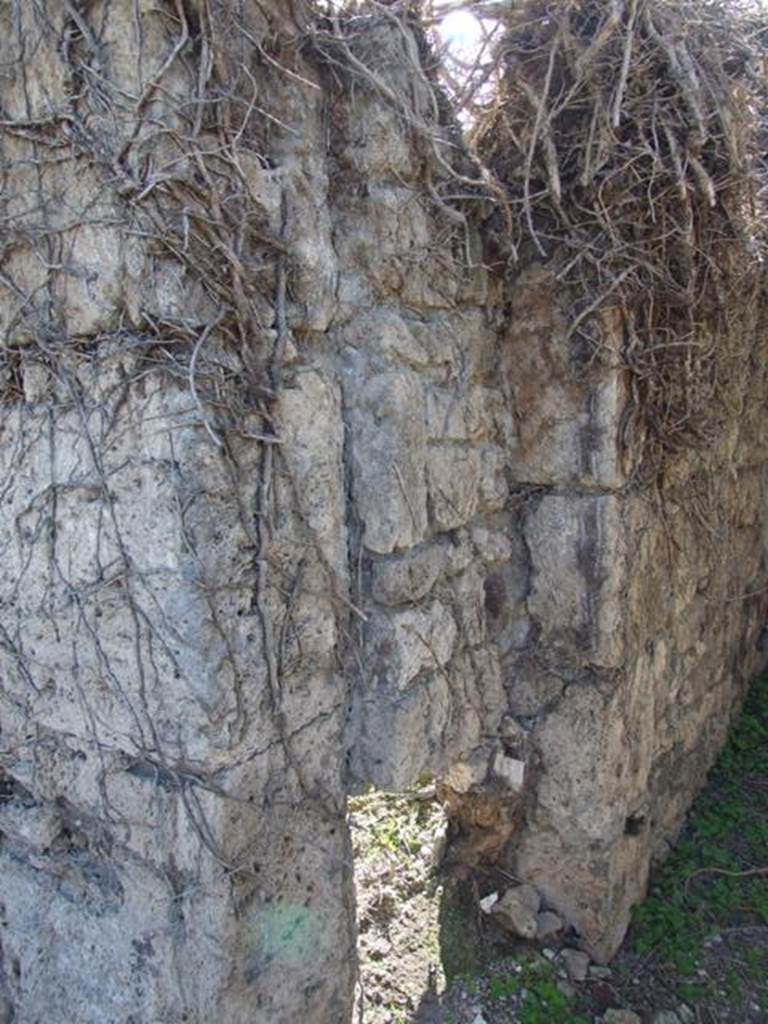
<point>386,530</point>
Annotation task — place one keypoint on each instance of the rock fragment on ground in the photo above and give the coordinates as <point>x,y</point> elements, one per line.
<point>621,1017</point>
<point>548,926</point>
<point>600,973</point>
<point>576,964</point>
<point>487,903</point>
<point>518,909</point>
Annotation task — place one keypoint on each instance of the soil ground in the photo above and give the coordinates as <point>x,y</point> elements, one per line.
<point>697,949</point>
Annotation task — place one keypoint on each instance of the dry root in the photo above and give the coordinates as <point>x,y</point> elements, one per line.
<point>629,136</point>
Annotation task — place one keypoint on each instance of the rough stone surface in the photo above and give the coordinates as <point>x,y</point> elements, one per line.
<point>385,417</point>
<point>578,571</point>
<point>549,927</point>
<point>576,964</point>
<point>566,432</point>
<point>517,911</point>
<point>434,563</point>
<point>621,1017</point>
<point>487,903</point>
<point>600,973</point>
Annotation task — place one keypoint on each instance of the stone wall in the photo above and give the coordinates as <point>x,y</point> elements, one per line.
<point>372,526</point>
<point>647,611</point>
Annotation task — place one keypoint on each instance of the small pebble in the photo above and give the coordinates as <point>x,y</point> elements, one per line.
<point>600,973</point>
<point>488,902</point>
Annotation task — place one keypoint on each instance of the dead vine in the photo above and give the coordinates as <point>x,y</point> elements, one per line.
<point>345,36</point>
<point>629,136</point>
<point>177,166</point>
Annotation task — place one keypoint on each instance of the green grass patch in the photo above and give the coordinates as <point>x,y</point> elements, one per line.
<point>535,980</point>
<point>705,885</point>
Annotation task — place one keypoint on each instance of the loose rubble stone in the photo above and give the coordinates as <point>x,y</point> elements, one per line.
<point>487,903</point>
<point>576,963</point>
<point>665,1017</point>
<point>600,973</point>
<point>548,926</point>
<point>517,910</point>
<point>510,770</point>
<point>621,1017</point>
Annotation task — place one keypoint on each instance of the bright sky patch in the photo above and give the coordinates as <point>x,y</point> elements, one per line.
<point>462,31</point>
